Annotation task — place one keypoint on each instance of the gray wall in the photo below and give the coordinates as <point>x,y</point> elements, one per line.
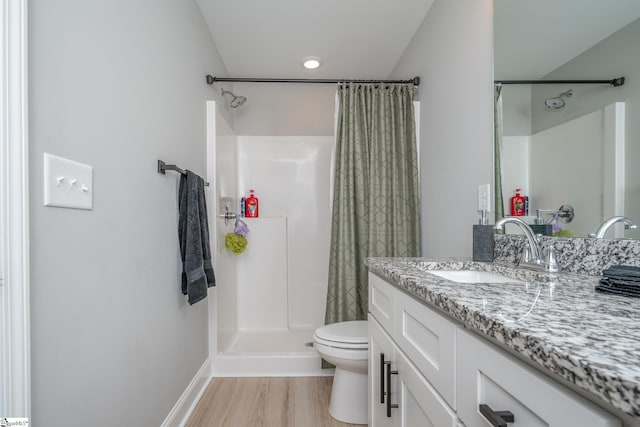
<point>452,53</point>
<point>116,85</point>
<point>615,56</point>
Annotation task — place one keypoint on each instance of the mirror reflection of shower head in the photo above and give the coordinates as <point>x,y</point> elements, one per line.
<point>557,103</point>
<point>236,101</point>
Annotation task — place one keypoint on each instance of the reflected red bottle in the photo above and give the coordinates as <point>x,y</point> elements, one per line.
<point>517,204</point>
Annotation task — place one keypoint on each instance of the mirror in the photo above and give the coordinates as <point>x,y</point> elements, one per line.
<point>556,139</point>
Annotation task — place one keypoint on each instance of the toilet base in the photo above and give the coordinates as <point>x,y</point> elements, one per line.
<point>349,397</point>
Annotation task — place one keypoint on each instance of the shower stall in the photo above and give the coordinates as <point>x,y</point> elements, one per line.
<point>269,299</point>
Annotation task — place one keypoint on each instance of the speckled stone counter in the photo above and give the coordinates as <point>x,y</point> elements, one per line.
<point>557,322</point>
<point>575,254</point>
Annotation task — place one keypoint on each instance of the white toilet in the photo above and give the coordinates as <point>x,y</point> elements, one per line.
<point>346,345</point>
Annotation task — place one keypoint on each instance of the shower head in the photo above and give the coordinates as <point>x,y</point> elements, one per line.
<point>236,101</point>
<point>557,103</point>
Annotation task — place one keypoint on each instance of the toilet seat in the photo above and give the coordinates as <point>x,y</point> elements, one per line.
<point>352,335</point>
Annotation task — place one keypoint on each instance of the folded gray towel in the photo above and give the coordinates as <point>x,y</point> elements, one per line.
<point>607,287</point>
<point>623,272</point>
<point>620,280</point>
<point>193,233</point>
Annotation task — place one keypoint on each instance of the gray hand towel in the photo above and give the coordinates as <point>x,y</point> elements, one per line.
<point>617,288</point>
<point>622,272</point>
<point>193,233</point>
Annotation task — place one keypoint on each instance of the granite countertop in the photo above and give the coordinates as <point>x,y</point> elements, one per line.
<point>556,321</point>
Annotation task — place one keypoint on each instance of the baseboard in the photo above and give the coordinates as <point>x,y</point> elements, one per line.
<point>181,411</point>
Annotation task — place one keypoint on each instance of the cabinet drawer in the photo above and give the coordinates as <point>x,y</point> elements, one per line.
<point>487,375</point>
<point>429,340</point>
<point>382,301</point>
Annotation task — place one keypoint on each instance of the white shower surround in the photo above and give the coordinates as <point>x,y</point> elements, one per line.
<point>269,300</point>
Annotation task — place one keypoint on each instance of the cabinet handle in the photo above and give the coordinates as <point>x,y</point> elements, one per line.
<point>496,418</point>
<point>382,363</point>
<point>389,404</point>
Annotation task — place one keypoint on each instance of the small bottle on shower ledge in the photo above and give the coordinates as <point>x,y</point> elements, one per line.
<point>252,205</point>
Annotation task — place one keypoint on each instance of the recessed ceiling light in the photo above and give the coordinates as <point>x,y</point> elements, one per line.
<point>311,62</point>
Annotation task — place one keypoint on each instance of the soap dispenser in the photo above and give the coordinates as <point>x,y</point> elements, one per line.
<point>539,226</point>
<point>483,241</point>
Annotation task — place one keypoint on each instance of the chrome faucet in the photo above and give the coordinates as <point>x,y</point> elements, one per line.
<point>534,261</point>
<point>628,225</point>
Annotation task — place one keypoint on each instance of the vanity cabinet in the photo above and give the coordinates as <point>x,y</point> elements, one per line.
<point>426,369</point>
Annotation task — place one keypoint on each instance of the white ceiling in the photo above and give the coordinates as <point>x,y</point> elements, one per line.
<point>356,39</point>
<point>359,39</point>
<point>533,38</point>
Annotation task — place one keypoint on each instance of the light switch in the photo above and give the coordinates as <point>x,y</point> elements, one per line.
<point>67,184</point>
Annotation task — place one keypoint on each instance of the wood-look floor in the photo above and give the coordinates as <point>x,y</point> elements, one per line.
<point>268,402</point>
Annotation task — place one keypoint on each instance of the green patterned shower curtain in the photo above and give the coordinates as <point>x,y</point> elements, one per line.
<point>497,145</point>
<point>376,191</point>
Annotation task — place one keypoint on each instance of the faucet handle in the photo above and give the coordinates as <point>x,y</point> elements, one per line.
<point>550,263</point>
<point>527,254</point>
<point>527,251</point>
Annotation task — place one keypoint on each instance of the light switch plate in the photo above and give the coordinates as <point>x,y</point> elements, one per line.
<point>67,184</point>
<point>484,197</point>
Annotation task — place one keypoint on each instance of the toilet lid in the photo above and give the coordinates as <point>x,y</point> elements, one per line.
<point>353,332</point>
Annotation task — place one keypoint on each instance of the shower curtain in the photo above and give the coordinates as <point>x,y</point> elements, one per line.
<point>497,144</point>
<point>376,191</point>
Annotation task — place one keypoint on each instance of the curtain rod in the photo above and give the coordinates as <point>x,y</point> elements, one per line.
<point>211,80</point>
<point>613,82</point>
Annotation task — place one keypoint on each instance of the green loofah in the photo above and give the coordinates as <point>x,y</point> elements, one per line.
<point>235,243</point>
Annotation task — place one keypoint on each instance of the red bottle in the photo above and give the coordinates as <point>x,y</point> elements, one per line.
<point>251,205</point>
<point>517,204</point>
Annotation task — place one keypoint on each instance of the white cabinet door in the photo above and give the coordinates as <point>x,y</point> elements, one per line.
<point>489,376</point>
<point>381,349</point>
<point>429,339</point>
<point>399,395</point>
<point>419,404</point>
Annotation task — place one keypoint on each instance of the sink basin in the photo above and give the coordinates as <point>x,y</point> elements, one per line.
<point>473,276</point>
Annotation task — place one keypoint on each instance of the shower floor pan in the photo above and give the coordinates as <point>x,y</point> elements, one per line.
<point>269,353</point>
